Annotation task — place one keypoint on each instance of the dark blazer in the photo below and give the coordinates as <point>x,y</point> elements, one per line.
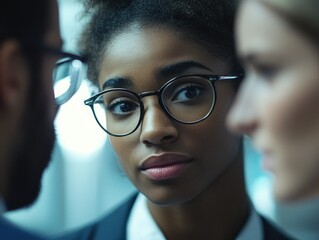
<point>8,231</point>
<point>113,227</point>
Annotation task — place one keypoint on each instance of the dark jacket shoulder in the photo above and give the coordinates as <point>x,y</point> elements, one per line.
<point>111,227</point>
<point>271,232</point>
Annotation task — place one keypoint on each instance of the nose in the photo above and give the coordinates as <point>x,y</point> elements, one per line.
<point>242,117</point>
<point>157,127</point>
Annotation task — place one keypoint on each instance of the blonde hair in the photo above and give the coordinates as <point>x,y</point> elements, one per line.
<point>303,14</point>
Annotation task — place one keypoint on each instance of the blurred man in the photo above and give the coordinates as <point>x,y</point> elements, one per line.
<point>30,45</point>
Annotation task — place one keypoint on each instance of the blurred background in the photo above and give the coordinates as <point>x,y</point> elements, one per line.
<point>84,180</point>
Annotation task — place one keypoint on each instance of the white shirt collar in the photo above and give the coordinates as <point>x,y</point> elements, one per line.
<point>2,206</point>
<point>140,218</point>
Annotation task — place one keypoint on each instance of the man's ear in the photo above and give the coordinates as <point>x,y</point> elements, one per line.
<point>13,75</point>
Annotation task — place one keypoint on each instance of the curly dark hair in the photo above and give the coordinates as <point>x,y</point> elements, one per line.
<point>209,22</point>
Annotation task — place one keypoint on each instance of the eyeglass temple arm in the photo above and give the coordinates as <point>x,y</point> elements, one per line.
<point>89,101</point>
<point>229,77</point>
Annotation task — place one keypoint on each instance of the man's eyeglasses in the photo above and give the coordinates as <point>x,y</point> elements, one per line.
<point>67,74</point>
<point>186,99</point>
<point>67,77</point>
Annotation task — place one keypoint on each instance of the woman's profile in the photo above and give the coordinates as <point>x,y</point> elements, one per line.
<point>277,106</point>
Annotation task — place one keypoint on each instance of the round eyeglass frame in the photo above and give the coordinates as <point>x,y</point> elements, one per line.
<point>159,93</point>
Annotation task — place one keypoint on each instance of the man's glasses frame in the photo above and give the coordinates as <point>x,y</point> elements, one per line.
<point>64,58</point>
<point>58,52</point>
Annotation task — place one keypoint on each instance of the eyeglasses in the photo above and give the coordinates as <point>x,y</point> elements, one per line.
<point>186,99</point>
<point>67,74</point>
<point>67,77</point>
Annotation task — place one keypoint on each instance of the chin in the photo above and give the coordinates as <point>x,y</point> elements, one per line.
<point>167,198</point>
<point>168,201</point>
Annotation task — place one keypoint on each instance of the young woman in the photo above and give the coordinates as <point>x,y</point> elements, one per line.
<point>278,43</point>
<point>167,77</point>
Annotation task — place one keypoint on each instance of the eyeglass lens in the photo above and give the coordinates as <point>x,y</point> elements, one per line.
<point>187,100</point>
<point>67,76</point>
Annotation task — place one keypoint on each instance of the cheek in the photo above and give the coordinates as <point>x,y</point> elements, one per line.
<point>297,179</point>
<point>290,112</point>
<point>217,151</point>
<point>117,144</point>
<point>216,141</point>
<point>125,148</point>
<point>217,145</point>
<point>291,122</point>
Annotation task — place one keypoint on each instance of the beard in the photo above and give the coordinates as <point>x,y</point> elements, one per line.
<point>31,154</point>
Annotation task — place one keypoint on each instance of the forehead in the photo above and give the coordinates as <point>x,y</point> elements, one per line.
<point>150,42</point>
<point>141,50</point>
<point>262,32</point>
<point>258,27</point>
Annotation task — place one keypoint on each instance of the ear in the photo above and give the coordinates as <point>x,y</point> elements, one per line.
<point>13,75</point>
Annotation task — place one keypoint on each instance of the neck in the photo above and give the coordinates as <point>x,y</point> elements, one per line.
<point>218,213</point>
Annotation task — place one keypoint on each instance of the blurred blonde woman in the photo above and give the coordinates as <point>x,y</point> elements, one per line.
<point>277,106</point>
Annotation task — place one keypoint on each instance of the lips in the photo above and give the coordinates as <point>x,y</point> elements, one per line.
<point>165,166</point>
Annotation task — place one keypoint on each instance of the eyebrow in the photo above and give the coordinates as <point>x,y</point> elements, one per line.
<point>179,68</point>
<point>166,72</point>
<point>117,82</point>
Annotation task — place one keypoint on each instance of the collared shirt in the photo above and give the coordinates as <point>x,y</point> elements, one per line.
<point>140,218</point>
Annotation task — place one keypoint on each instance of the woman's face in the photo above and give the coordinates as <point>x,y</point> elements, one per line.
<point>277,105</point>
<point>168,161</point>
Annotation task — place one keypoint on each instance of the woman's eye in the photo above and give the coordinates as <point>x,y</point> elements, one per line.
<point>187,92</point>
<point>267,72</point>
<point>122,106</point>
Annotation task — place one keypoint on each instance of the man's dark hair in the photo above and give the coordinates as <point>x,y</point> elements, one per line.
<point>23,20</point>
<point>26,22</point>
<point>209,22</point>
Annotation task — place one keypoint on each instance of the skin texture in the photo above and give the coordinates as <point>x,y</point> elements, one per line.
<point>216,157</point>
<point>28,124</point>
<point>277,105</point>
